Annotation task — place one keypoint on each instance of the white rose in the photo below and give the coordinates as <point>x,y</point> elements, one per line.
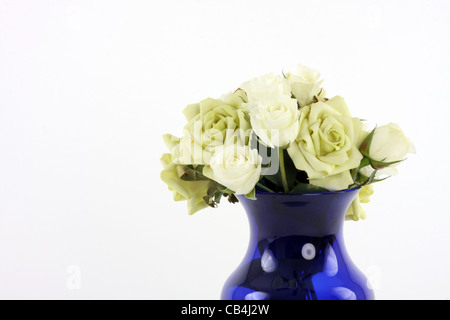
<point>326,147</point>
<point>389,144</point>
<point>275,120</point>
<point>236,167</point>
<point>305,84</point>
<point>211,123</point>
<point>356,211</point>
<point>268,85</point>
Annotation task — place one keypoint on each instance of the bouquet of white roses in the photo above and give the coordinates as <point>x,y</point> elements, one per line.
<point>278,133</point>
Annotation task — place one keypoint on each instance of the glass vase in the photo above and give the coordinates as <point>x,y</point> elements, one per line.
<point>296,250</point>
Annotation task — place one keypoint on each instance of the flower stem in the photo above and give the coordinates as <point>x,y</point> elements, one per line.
<point>283,170</point>
<point>263,187</point>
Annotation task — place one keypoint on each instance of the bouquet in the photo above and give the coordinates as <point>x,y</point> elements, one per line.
<point>278,133</point>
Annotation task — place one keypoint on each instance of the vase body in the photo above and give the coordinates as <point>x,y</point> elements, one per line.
<point>296,250</point>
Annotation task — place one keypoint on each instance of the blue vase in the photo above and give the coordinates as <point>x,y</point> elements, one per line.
<point>296,250</point>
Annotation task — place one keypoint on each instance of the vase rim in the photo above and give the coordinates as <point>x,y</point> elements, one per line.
<point>306,193</point>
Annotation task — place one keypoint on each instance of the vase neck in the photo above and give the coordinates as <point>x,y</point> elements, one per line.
<point>279,215</point>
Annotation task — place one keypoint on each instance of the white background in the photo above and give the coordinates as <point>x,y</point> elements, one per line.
<point>87,89</point>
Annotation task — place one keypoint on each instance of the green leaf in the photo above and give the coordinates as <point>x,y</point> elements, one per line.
<point>364,162</point>
<point>275,178</point>
<point>214,194</point>
<point>381,164</point>
<point>370,179</point>
<point>217,197</point>
<point>191,173</point>
<point>362,179</point>
<point>251,195</point>
<point>231,197</point>
<point>365,146</point>
<point>210,202</point>
<point>307,188</point>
